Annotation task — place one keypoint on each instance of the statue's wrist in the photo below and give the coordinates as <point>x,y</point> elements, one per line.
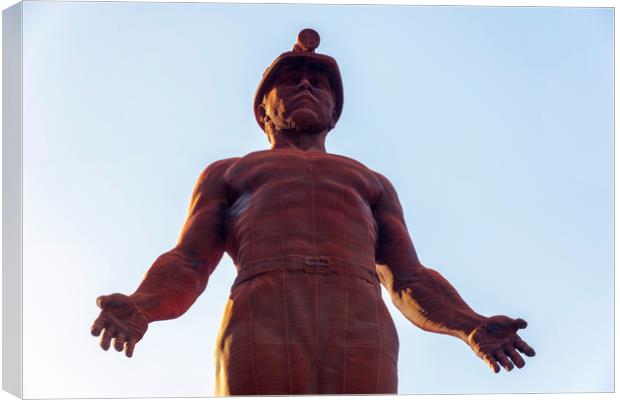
<point>142,305</point>
<point>474,323</point>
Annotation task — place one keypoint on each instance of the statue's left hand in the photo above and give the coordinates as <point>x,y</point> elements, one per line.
<point>496,341</point>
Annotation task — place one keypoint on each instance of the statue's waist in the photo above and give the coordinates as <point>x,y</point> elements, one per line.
<point>309,264</point>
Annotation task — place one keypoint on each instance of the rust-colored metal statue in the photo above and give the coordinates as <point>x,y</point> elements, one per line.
<point>312,235</point>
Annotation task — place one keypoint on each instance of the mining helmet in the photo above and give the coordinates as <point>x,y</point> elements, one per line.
<point>302,54</point>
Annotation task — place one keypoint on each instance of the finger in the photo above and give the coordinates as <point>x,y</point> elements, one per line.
<point>515,356</point>
<point>105,339</point>
<point>491,363</point>
<point>119,343</point>
<point>520,323</point>
<point>524,347</point>
<point>129,347</point>
<point>97,327</point>
<point>500,356</point>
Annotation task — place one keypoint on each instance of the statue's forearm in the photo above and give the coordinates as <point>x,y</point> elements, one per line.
<point>429,301</point>
<point>171,286</point>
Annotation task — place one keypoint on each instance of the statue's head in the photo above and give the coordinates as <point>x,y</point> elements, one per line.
<point>301,90</point>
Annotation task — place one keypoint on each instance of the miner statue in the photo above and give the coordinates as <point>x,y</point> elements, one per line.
<point>313,236</point>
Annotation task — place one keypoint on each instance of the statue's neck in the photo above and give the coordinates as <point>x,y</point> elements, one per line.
<point>298,140</point>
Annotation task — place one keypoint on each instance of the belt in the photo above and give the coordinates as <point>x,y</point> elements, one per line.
<point>317,265</point>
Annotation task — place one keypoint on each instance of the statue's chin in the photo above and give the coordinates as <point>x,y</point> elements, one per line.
<point>304,126</point>
<point>300,126</point>
<point>305,120</point>
<point>302,121</point>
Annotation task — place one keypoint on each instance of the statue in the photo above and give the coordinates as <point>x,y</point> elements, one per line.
<point>313,235</point>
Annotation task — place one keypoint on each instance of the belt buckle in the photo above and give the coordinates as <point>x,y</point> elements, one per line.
<point>316,264</point>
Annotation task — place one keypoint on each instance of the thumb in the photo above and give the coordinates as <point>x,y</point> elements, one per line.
<point>103,301</point>
<point>520,323</point>
<point>111,300</point>
<point>502,325</point>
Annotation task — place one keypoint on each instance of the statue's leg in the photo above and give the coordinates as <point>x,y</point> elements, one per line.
<point>357,335</point>
<point>263,349</point>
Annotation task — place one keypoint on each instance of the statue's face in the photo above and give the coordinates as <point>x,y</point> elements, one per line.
<point>300,98</point>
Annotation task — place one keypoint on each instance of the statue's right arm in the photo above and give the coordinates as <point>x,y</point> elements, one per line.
<point>179,276</point>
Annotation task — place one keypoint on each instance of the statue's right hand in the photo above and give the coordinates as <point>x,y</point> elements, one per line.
<point>120,320</point>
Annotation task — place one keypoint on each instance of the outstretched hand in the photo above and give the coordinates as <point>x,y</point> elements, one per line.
<point>120,320</point>
<point>496,341</point>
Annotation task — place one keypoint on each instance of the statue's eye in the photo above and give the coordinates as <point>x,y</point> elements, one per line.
<point>288,78</point>
<point>320,83</point>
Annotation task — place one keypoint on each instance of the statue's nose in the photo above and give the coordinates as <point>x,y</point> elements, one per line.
<point>305,84</point>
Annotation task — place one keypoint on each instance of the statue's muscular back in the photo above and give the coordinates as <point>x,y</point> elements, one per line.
<point>286,202</point>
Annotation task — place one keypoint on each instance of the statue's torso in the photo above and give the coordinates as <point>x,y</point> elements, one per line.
<point>291,202</point>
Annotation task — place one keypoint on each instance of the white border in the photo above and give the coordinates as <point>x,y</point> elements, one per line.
<point>4,4</point>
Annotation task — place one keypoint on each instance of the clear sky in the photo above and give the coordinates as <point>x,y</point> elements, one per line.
<point>494,124</point>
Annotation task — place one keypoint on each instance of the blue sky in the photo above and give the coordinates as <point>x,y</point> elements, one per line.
<point>494,124</point>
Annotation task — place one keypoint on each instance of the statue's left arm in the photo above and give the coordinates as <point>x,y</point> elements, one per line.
<point>429,301</point>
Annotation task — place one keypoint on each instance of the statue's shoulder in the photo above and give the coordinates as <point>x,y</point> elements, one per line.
<point>239,166</point>
<point>221,166</point>
<point>349,161</point>
<point>217,170</point>
<point>261,156</point>
<point>384,183</point>
<point>256,154</point>
<point>357,166</point>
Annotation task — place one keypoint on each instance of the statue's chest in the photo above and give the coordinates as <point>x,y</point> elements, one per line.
<point>268,174</point>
